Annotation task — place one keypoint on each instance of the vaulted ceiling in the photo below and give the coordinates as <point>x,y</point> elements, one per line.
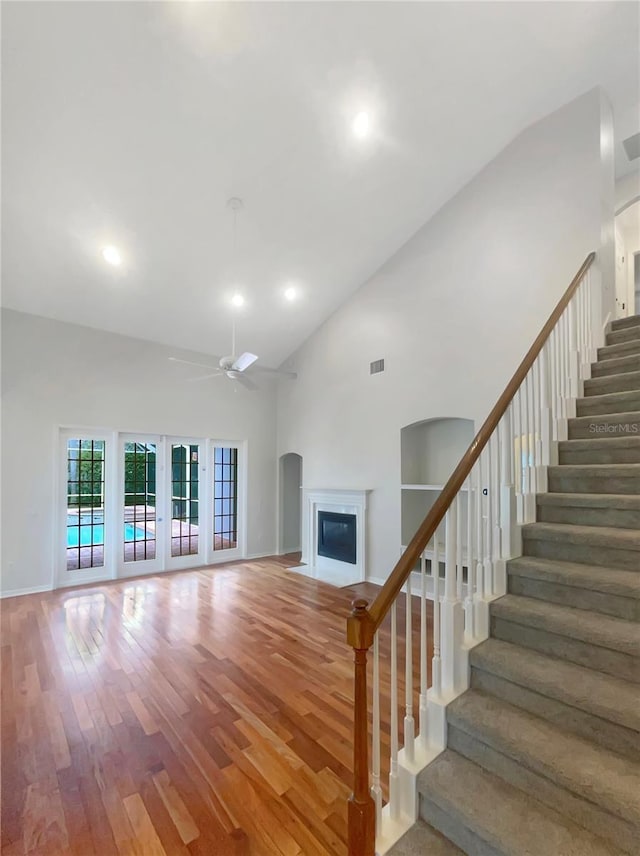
<point>131,124</point>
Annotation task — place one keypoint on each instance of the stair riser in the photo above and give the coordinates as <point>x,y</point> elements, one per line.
<point>585,554</point>
<point>609,734</point>
<point>621,455</point>
<point>617,366</point>
<point>573,650</point>
<point>578,598</point>
<point>624,323</point>
<point>615,383</point>
<point>622,402</point>
<point>601,427</point>
<point>619,518</point>
<point>455,830</point>
<point>627,334</point>
<point>597,819</point>
<point>561,483</point>
<point>624,349</point>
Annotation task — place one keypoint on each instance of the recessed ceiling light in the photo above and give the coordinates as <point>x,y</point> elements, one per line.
<point>290,293</point>
<point>237,300</point>
<point>112,255</point>
<point>361,125</point>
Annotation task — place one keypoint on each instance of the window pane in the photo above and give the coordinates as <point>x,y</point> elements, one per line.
<point>139,501</point>
<point>85,503</point>
<point>225,490</point>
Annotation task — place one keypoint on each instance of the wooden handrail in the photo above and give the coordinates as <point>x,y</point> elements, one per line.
<point>405,565</point>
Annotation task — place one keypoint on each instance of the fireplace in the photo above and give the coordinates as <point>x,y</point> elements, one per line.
<point>334,535</point>
<point>337,536</point>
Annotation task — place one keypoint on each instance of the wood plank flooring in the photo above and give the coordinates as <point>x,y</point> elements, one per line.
<point>201,712</point>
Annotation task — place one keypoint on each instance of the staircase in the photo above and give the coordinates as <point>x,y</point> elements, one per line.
<point>543,751</point>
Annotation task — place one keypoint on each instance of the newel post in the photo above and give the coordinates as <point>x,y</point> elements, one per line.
<point>361,816</point>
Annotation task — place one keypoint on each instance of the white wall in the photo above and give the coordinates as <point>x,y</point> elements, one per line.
<point>57,374</point>
<point>452,313</point>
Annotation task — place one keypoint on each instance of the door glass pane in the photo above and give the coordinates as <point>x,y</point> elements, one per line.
<point>85,503</point>
<point>225,498</point>
<point>139,501</point>
<point>185,474</point>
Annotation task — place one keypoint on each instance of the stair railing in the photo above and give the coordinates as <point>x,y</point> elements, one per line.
<point>457,559</point>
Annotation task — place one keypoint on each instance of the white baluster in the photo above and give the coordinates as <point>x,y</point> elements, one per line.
<point>451,614</point>
<point>497,562</point>
<point>481,608</point>
<point>458,502</point>
<point>423,649</point>
<point>376,790</point>
<point>487,567</point>
<point>575,383</point>
<point>409,723</point>
<point>531,442</point>
<point>517,453</point>
<point>394,781</point>
<point>469,623</point>
<point>509,537</point>
<point>541,472</point>
<point>548,449</point>
<point>436,663</point>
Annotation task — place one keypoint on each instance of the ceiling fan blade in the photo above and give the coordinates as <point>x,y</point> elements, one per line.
<point>281,372</point>
<point>238,377</point>
<point>191,363</point>
<point>243,361</point>
<point>205,377</point>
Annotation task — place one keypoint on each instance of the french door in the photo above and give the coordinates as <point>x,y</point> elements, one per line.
<point>86,522</point>
<point>133,504</point>
<point>141,499</point>
<point>187,507</point>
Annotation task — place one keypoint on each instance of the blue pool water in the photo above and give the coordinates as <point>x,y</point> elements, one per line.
<point>92,535</point>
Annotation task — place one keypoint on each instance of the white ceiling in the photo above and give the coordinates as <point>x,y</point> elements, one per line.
<point>133,123</point>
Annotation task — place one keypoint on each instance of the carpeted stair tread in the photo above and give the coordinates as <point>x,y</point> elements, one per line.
<point>607,580</point>
<point>601,536</point>
<point>590,627</point>
<point>605,425</point>
<point>610,402</point>
<point>597,693</point>
<point>591,500</point>
<point>623,349</point>
<point>594,478</point>
<point>626,334</point>
<point>629,321</point>
<point>612,383</point>
<point>423,839</point>
<point>616,366</point>
<point>594,773</point>
<point>475,804</point>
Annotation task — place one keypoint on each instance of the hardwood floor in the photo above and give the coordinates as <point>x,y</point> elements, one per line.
<point>201,712</point>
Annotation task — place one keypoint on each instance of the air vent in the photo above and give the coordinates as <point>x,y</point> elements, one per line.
<point>376,367</point>
<point>632,146</point>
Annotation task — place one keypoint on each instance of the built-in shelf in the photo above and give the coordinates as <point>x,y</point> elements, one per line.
<point>430,451</point>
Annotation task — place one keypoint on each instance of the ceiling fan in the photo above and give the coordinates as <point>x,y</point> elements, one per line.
<point>234,367</point>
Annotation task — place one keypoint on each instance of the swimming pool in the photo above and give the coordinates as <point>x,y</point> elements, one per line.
<point>91,531</point>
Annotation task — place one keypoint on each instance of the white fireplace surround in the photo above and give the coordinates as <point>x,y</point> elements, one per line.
<point>340,502</point>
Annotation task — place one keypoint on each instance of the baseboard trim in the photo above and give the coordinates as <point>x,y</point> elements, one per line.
<point>23,591</point>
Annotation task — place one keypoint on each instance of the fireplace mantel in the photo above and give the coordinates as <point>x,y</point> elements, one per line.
<point>343,502</point>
